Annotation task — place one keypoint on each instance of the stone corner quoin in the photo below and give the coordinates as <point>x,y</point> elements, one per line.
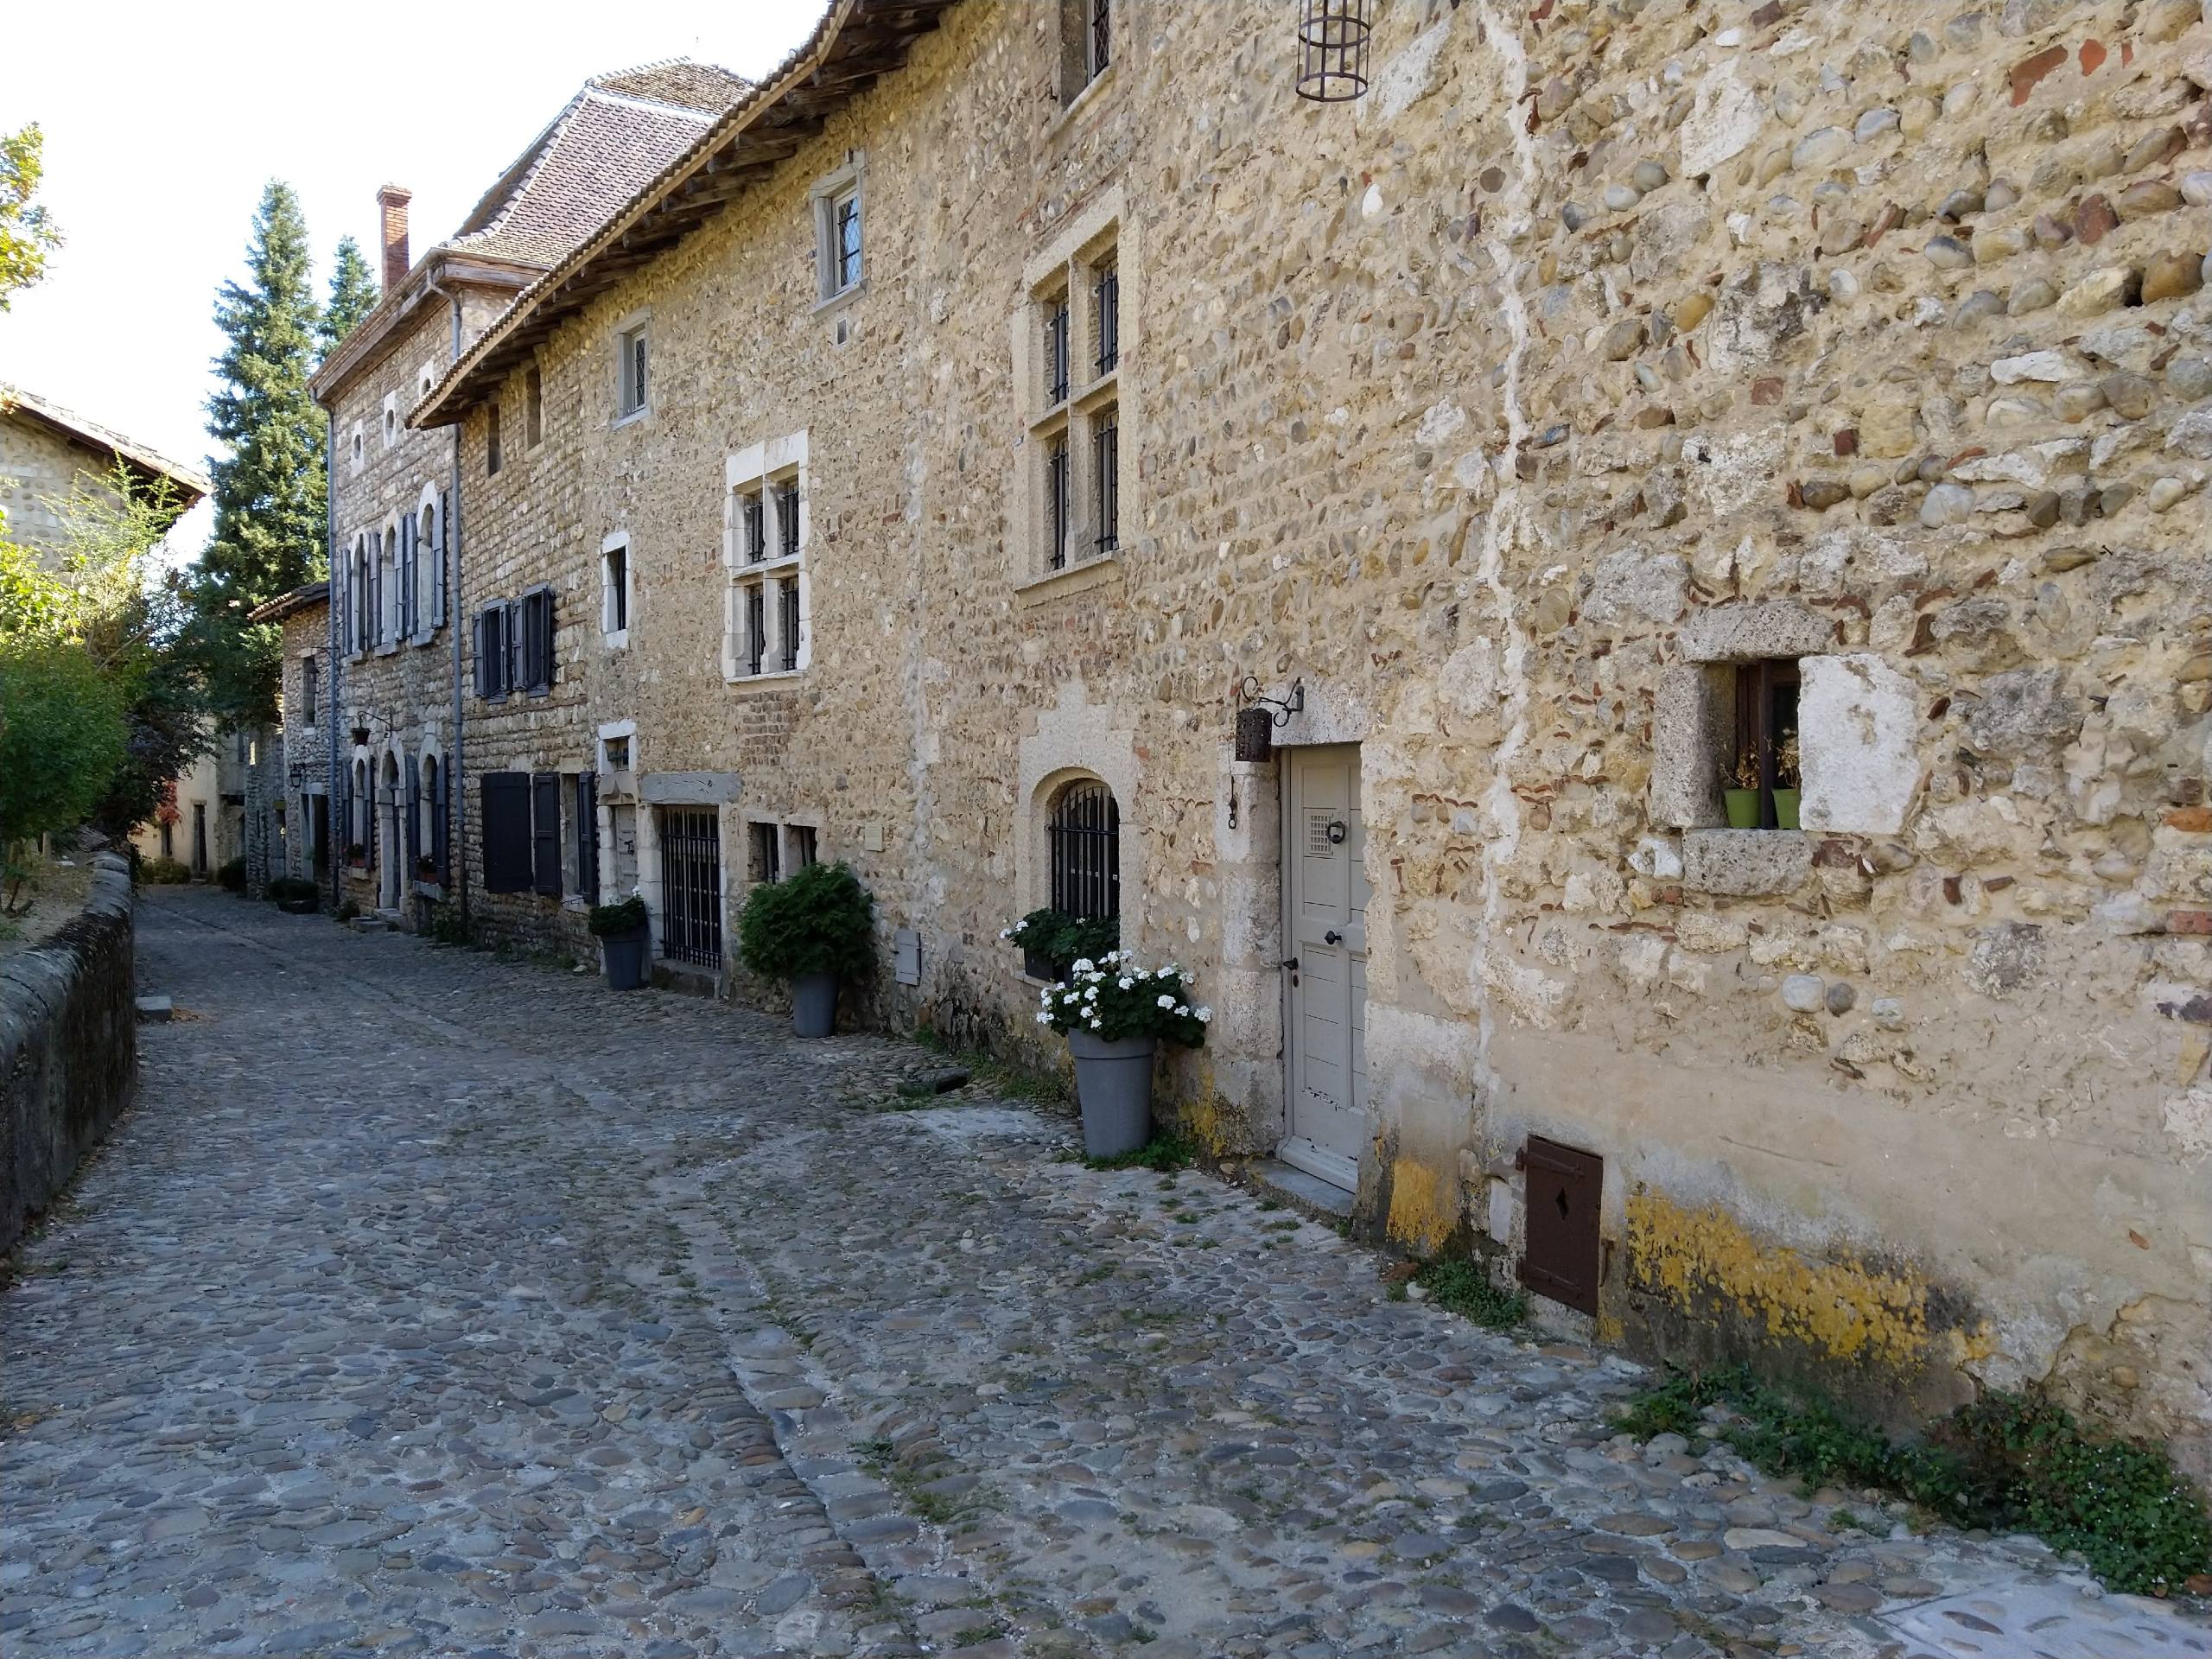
<point>1610,401</point>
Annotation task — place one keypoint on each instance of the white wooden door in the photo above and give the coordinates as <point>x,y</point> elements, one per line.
<point>1324,886</point>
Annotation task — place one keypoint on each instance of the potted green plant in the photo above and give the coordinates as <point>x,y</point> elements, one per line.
<point>1740,790</point>
<point>1787,788</point>
<point>625,936</point>
<point>1114,1014</point>
<point>812,930</point>
<point>1051,940</point>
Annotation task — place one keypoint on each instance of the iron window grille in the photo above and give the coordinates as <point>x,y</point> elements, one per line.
<point>1085,836</point>
<point>787,519</point>
<point>756,628</point>
<point>1101,16</point>
<point>1056,351</point>
<point>1106,440</point>
<point>754,510</point>
<point>1056,475</point>
<point>845,226</point>
<point>787,605</point>
<point>691,885</point>
<point>767,855</point>
<point>1107,291</point>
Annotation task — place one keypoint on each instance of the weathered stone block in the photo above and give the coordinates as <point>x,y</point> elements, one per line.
<point>1856,719</point>
<point>1743,863</point>
<point>1691,728</point>
<point>1745,633</point>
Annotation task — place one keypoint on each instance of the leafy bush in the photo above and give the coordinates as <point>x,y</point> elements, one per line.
<point>609,920</point>
<point>346,910</point>
<point>292,889</point>
<point>1114,998</point>
<point>818,921</point>
<point>1463,1288</point>
<point>1062,940</point>
<point>163,872</point>
<point>446,926</point>
<point>2009,1462</point>
<point>62,736</point>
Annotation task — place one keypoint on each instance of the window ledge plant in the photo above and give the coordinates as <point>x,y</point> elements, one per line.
<point>1057,939</point>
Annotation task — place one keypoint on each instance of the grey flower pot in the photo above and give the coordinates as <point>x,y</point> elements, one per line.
<point>814,1005</point>
<point>624,956</point>
<point>1113,1085</point>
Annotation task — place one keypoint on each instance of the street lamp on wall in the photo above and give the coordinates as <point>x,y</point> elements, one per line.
<point>1332,38</point>
<point>1258,716</point>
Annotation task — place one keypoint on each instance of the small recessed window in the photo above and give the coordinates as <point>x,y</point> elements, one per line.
<point>787,519</point>
<point>767,855</point>
<point>614,754</point>
<point>631,392</point>
<point>845,241</point>
<point>493,459</point>
<point>533,392</point>
<point>753,508</point>
<point>1764,775</point>
<point>617,616</point>
<point>1086,44</point>
<point>804,846</point>
<point>1106,478</point>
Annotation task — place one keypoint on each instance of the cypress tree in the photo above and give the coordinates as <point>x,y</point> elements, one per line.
<point>353,294</point>
<point>270,533</point>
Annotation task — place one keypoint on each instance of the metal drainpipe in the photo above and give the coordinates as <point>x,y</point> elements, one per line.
<point>333,850</point>
<point>458,854</point>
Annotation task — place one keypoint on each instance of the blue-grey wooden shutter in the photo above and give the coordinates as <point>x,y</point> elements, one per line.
<point>588,835</point>
<point>440,792</point>
<point>414,815</point>
<point>545,823</point>
<point>505,810</point>
<point>443,574</point>
<point>408,579</point>
<point>511,643</point>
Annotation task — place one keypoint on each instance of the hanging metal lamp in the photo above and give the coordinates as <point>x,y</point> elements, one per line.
<point>1332,37</point>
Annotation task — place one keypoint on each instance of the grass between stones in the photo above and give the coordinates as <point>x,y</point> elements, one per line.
<point>1463,1288</point>
<point>1163,1153</point>
<point>2009,1462</point>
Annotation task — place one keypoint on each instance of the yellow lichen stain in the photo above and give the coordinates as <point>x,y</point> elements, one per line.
<point>1844,1309</point>
<point>1424,1206</point>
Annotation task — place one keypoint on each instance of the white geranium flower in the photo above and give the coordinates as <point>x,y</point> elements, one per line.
<point>1043,1018</point>
<point>1084,965</point>
<point>1126,982</point>
<point>1096,1024</point>
<point>1167,1001</point>
<point>1090,992</point>
<point>1183,1010</point>
<point>1202,1015</point>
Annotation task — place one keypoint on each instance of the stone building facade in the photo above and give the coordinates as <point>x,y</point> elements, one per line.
<point>393,737</point>
<point>47,453</point>
<point>287,780</point>
<point>1605,399</point>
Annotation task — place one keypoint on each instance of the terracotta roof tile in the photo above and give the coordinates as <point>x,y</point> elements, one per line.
<point>700,87</point>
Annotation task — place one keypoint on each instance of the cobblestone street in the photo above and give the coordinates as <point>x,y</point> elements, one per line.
<point>530,1320</point>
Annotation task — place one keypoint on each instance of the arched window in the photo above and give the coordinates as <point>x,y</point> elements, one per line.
<point>1084,831</point>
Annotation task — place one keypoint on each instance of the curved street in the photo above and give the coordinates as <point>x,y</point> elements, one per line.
<point>431,1302</point>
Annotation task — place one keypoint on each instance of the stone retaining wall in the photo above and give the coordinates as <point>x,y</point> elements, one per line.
<point>68,1048</point>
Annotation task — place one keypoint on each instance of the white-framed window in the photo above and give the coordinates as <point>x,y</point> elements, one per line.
<point>618,746</point>
<point>616,577</point>
<point>431,562</point>
<point>768,614</point>
<point>357,451</point>
<point>1086,44</point>
<point>1071,346</point>
<point>425,377</point>
<point>392,573</point>
<point>838,229</point>
<point>390,419</point>
<point>632,376</point>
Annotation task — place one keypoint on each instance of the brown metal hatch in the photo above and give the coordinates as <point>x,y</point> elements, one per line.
<point>1563,1188</point>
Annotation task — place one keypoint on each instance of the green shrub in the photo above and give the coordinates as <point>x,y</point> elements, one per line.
<point>346,910</point>
<point>292,889</point>
<point>1062,940</point>
<point>446,926</point>
<point>232,874</point>
<point>819,921</point>
<point>2009,1462</point>
<point>62,737</point>
<point>163,872</point>
<point>610,920</point>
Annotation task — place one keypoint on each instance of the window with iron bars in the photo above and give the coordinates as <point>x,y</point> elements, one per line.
<point>1106,440</point>
<point>845,216</point>
<point>1102,53</point>
<point>691,885</point>
<point>787,623</point>
<point>1056,350</point>
<point>1106,291</point>
<point>754,507</point>
<point>1085,837</point>
<point>756,627</point>
<point>787,519</point>
<point>1056,475</point>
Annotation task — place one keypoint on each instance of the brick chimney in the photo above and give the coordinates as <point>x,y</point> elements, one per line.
<point>394,201</point>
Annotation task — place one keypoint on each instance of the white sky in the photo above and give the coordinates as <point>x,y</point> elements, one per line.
<point>163,121</point>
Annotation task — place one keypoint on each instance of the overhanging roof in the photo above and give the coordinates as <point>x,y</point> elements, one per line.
<point>857,42</point>
<point>190,484</point>
<point>291,603</point>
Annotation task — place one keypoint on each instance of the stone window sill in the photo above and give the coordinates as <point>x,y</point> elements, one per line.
<point>1746,863</point>
<point>389,648</point>
<point>1094,89</point>
<point>780,674</point>
<point>617,638</point>
<point>842,297</point>
<point>1063,584</point>
<point>633,417</point>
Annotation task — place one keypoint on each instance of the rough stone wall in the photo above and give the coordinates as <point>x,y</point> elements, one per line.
<point>68,1047</point>
<point>269,823</point>
<point>1511,408</point>
<point>395,700</point>
<point>38,466</point>
<point>303,741</point>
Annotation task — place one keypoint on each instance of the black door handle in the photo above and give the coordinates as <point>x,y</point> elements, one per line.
<point>1290,963</point>
<point>1332,937</point>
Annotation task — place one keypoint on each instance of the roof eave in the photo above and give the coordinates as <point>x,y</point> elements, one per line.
<point>371,337</point>
<point>692,188</point>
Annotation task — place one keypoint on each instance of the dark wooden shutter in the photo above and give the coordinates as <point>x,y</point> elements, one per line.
<point>588,835</point>
<point>511,640</point>
<point>1563,1190</point>
<point>443,573</point>
<point>476,649</point>
<point>503,798</point>
<point>440,791</point>
<point>414,815</point>
<point>545,813</point>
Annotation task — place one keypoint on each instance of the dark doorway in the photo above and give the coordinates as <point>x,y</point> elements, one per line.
<point>199,838</point>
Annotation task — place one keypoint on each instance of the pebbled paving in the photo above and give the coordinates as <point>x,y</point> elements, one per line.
<point>430,1303</point>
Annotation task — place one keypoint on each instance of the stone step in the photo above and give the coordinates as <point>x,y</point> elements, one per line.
<point>1294,1189</point>
<point>156,1007</point>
